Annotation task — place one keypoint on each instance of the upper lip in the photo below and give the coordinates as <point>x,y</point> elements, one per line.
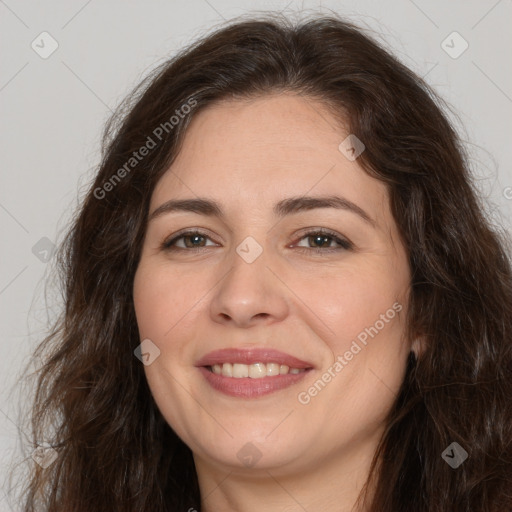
<point>251,356</point>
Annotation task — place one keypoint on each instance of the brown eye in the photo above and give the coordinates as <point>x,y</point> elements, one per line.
<point>322,241</point>
<point>191,240</point>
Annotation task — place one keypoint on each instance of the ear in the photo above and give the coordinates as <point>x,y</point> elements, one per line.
<point>418,346</point>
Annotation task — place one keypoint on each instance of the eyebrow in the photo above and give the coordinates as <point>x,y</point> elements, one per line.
<point>284,207</point>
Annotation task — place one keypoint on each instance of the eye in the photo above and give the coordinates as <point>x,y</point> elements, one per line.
<point>321,240</point>
<point>191,240</point>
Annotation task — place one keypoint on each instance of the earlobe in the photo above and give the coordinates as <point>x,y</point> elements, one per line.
<point>418,346</point>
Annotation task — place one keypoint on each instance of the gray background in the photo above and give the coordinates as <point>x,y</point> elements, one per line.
<point>53,111</point>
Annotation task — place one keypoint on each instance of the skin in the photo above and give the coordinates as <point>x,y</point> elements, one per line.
<point>248,155</point>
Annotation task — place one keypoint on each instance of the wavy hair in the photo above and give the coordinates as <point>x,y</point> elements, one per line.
<point>92,402</point>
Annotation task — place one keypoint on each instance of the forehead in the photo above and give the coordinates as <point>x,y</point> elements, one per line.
<point>253,153</point>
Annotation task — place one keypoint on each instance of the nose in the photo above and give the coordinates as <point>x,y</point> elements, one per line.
<point>249,294</point>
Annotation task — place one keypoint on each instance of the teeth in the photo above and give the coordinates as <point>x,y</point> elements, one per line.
<point>240,370</point>
<point>256,370</point>
<point>253,371</point>
<point>272,369</point>
<point>227,369</point>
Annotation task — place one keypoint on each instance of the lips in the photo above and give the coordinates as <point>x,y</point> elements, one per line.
<point>247,387</point>
<point>252,356</point>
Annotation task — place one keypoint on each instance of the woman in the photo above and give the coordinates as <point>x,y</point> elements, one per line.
<point>281,293</point>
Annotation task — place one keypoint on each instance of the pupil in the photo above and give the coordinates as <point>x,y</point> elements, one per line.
<point>194,238</point>
<point>319,239</point>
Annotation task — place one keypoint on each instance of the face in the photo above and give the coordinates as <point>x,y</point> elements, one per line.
<point>304,297</point>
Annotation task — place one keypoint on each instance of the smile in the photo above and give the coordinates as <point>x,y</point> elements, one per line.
<point>253,371</point>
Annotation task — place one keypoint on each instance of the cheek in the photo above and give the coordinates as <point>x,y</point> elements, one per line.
<point>164,305</point>
<point>349,301</point>
<point>161,297</point>
<point>367,319</point>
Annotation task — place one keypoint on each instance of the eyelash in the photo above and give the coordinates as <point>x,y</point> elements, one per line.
<point>168,245</point>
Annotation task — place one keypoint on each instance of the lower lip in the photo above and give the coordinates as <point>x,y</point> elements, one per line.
<point>246,387</point>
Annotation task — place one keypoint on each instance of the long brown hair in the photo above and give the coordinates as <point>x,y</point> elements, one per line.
<point>92,402</point>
